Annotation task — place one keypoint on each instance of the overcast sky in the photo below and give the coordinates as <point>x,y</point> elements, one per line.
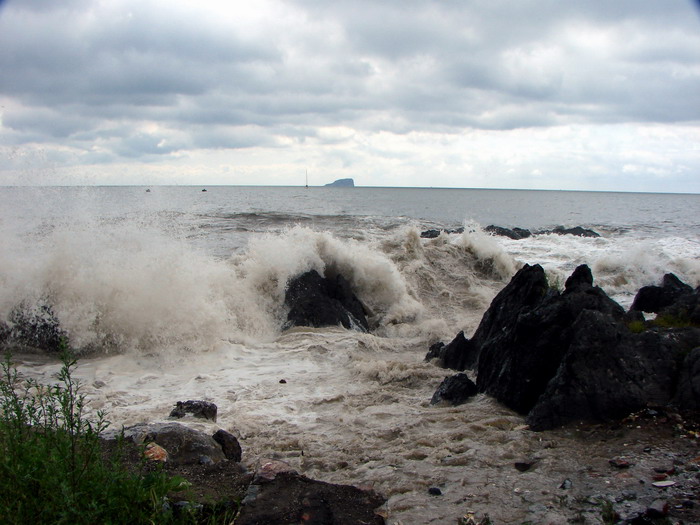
<point>550,94</point>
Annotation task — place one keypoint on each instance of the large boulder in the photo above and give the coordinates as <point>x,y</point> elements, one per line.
<point>319,301</point>
<point>656,298</point>
<point>609,372</point>
<point>290,498</point>
<point>688,391</point>
<point>523,351</point>
<point>576,355</point>
<point>34,327</point>
<point>183,445</point>
<point>196,408</point>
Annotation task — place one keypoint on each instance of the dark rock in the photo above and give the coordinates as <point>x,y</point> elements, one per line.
<point>290,498</point>
<point>526,339</point>
<point>515,233</point>
<point>688,392</point>
<point>435,350</point>
<point>433,233</point>
<point>459,354</point>
<point>566,484</point>
<point>455,389</point>
<point>580,280</point>
<point>430,234</point>
<point>317,301</point>
<point>229,445</point>
<point>434,491</point>
<point>35,327</point>
<point>619,463</point>
<point>578,231</point>
<point>524,466</point>
<point>607,373</point>
<point>201,409</point>
<point>658,509</point>
<point>655,298</point>
<point>283,381</point>
<point>183,444</point>
<point>684,311</point>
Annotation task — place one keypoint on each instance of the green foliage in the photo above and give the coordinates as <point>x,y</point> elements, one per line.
<point>607,512</point>
<point>52,466</point>
<point>670,321</point>
<point>637,327</point>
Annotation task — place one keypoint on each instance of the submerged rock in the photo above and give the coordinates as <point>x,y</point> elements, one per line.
<point>319,301</point>
<point>515,233</point>
<point>459,354</point>
<point>34,327</point>
<point>201,409</point>
<point>455,389</point>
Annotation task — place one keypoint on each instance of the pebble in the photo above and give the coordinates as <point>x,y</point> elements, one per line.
<point>434,491</point>
<point>658,509</point>
<point>283,381</point>
<point>566,484</point>
<point>619,463</point>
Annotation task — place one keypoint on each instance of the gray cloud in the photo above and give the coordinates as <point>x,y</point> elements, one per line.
<point>145,82</point>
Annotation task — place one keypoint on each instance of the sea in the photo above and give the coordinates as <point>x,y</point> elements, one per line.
<point>171,293</point>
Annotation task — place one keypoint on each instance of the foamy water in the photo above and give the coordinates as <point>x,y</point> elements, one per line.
<point>182,297</point>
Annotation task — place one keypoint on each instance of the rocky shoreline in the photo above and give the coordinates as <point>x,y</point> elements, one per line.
<point>573,362</point>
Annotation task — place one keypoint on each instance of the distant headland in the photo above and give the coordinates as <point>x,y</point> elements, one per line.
<point>342,183</point>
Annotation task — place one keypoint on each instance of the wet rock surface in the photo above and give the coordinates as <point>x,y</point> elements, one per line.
<point>183,444</point>
<point>196,408</point>
<point>571,355</point>
<point>522,233</point>
<point>319,301</point>
<point>34,327</point>
<point>290,498</point>
<point>455,390</point>
<point>656,298</point>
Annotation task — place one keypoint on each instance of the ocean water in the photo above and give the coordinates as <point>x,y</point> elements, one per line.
<point>177,293</point>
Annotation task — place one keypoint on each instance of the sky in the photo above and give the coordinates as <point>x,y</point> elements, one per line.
<point>535,94</point>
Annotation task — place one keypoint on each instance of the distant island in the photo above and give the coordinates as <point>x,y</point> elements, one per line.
<point>342,183</point>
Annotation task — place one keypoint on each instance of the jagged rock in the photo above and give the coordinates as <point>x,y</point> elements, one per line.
<point>655,298</point>
<point>183,444</point>
<point>317,301</point>
<point>201,409</point>
<point>35,327</point>
<point>290,498</point>
<point>524,342</point>
<point>229,445</point>
<point>688,393</point>
<point>455,389</point>
<point>608,372</point>
<point>580,280</point>
<point>459,354</point>
<point>515,233</point>
<point>684,311</point>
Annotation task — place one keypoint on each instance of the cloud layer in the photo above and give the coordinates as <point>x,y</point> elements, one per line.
<point>533,94</point>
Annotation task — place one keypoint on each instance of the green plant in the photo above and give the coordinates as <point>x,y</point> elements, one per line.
<point>637,327</point>
<point>53,467</point>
